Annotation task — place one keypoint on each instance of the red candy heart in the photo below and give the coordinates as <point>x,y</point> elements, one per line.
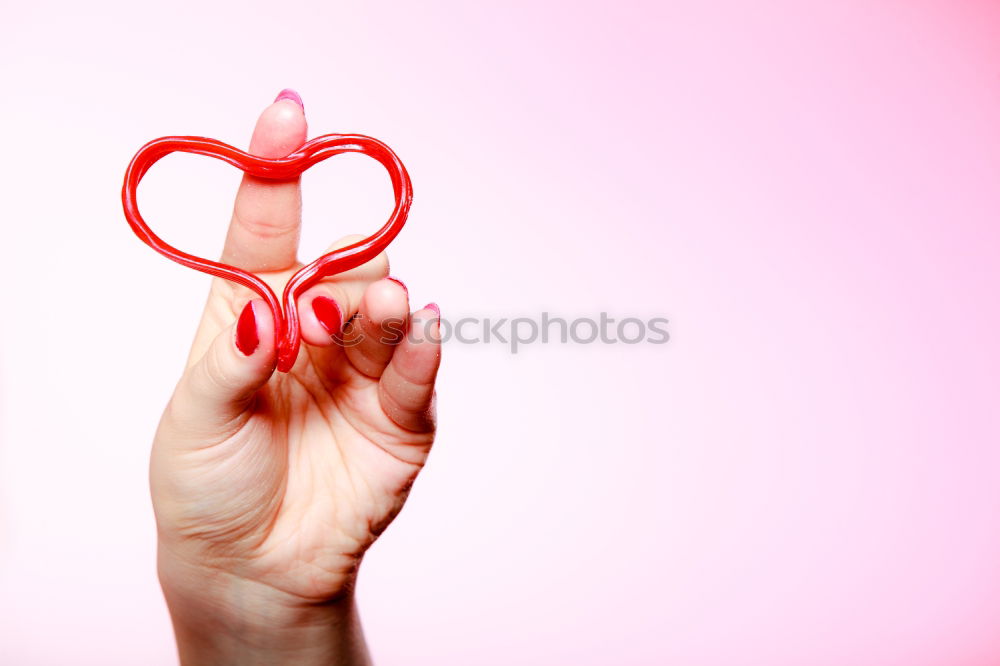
<point>286,321</point>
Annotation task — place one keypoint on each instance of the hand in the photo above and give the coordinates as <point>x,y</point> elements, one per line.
<point>268,488</point>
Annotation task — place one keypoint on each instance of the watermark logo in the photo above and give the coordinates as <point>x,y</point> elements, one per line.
<point>516,333</point>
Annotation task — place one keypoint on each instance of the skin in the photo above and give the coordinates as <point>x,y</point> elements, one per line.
<point>269,488</point>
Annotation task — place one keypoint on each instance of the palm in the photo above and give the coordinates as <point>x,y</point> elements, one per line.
<point>318,463</point>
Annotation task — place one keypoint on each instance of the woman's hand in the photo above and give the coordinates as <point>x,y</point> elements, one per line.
<point>268,488</point>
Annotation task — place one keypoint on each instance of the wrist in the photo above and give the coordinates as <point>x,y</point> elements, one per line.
<point>219,618</point>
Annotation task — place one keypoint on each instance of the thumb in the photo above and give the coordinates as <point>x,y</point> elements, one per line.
<point>216,392</point>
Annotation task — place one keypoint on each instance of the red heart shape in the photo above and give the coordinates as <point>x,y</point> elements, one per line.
<point>286,321</point>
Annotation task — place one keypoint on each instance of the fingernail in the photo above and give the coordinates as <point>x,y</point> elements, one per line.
<point>288,93</point>
<point>400,283</point>
<point>246,331</point>
<point>434,308</point>
<point>328,313</point>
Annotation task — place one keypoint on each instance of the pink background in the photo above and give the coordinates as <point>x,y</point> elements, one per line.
<point>808,473</point>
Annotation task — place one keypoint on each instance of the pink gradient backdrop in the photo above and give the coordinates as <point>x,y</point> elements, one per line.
<point>808,473</point>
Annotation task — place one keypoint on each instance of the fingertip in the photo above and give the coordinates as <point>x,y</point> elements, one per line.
<point>400,283</point>
<point>386,299</point>
<point>281,128</point>
<point>425,324</point>
<point>253,333</point>
<point>239,361</point>
<point>321,319</point>
<point>247,339</point>
<point>419,354</point>
<point>433,311</point>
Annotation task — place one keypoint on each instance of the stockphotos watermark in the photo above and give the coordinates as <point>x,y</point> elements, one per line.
<point>519,332</point>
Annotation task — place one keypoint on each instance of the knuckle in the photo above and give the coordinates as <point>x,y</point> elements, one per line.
<point>264,227</point>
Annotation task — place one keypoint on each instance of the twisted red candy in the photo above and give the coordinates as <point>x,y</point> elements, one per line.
<point>286,321</point>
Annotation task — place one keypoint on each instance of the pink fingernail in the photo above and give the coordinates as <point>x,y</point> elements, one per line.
<point>434,308</point>
<point>288,93</point>
<point>400,283</point>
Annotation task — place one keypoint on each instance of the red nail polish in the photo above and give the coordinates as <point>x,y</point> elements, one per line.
<point>434,308</point>
<point>246,331</point>
<point>400,283</point>
<point>328,313</point>
<point>288,93</point>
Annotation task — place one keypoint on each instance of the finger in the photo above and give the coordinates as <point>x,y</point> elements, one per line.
<point>264,231</point>
<point>406,389</point>
<point>325,307</point>
<point>218,389</point>
<point>369,338</point>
